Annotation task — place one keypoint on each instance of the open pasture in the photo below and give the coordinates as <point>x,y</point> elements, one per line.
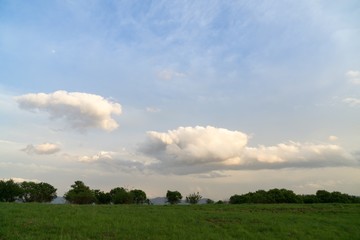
<point>282,221</point>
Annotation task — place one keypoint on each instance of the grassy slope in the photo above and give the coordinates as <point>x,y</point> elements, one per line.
<point>43,221</point>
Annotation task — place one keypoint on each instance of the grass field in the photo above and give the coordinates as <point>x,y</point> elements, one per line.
<point>45,221</point>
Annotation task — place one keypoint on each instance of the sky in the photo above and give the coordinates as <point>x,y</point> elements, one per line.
<point>215,97</point>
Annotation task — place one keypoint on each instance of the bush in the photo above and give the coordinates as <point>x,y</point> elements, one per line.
<point>193,198</point>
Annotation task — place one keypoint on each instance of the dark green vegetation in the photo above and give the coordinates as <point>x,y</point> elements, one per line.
<point>82,194</point>
<point>194,198</point>
<point>173,197</point>
<point>254,221</point>
<point>26,191</point>
<point>287,196</point>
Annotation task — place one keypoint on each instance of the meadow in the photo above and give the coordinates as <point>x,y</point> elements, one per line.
<point>213,221</point>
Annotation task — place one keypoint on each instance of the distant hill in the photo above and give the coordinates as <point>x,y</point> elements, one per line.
<point>58,200</point>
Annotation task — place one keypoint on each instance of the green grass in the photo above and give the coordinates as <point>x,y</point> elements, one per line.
<point>45,221</point>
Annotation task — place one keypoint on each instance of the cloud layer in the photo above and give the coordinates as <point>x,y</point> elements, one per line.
<point>42,149</point>
<point>80,110</point>
<point>198,149</point>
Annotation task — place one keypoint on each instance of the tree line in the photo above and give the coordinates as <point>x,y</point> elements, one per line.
<point>287,196</point>
<point>26,191</point>
<point>79,193</point>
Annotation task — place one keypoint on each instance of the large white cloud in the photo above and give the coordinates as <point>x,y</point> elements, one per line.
<point>198,149</point>
<point>81,110</point>
<point>42,149</point>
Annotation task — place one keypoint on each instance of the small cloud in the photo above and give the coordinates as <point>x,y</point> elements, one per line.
<point>353,76</point>
<point>169,74</point>
<point>80,110</point>
<point>153,109</point>
<point>353,102</point>
<point>42,149</point>
<point>101,156</point>
<point>333,138</point>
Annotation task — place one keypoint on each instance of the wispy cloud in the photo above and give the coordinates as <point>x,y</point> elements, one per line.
<point>169,74</point>
<point>153,109</point>
<point>42,149</point>
<point>353,76</point>
<point>353,102</point>
<point>80,110</point>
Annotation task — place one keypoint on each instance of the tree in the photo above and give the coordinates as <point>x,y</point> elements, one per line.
<point>323,196</point>
<point>37,192</point>
<point>173,197</point>
<point>9,191</point>
<point>102,197</point>
<point>193,198</point>
<point>309,198</point>
<point>120,195</point>
<point>80,194</point>
<point>138,196</point>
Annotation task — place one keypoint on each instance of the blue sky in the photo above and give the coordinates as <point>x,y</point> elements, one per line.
<point>220,97</point>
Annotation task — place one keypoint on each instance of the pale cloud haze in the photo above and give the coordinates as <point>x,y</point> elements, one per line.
<point>223,97</point>
<point>45,148</point>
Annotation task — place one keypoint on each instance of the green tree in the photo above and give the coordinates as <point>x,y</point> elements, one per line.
<point>193,198</point>
<point>102,197</point>
<point>121,195</point>
<point>80,194</point>
<point>37,192</point>
<point>139,196</point>
<point>173,197</point>
<point>323,196</point>
<point>9,191</point>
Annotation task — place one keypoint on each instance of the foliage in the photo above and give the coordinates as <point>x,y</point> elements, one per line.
<point>288,196</point>
<point>193,198</point>
<point>37,192</point>
<point>173,197</point>
<point>102,197</point>
<point>121,195</point>
<point>138,196</point>
<point>9,191</point>
<point>80,194</point>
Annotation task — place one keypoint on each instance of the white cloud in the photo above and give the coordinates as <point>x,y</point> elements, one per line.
<point>122,160</point>
<point>153,109</point>
<point>189,150</point>
<point>353,102</point>
<point>354,76</point>
<point>101,156</point>
<point>81,110</point>
<point>333,138</point>
<point>42,149</point>
<point>169,74</point>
